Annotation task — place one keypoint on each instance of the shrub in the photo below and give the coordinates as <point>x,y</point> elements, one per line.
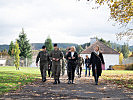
<point>123,67</point>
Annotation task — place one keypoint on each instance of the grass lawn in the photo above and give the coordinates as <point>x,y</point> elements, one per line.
<point>120,77</point>
<point>11,79</point>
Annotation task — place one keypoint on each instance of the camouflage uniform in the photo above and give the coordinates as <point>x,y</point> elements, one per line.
<point>44,60</point>
<point>80,63</point>
<point>62,66</point>
<point>56,65</point>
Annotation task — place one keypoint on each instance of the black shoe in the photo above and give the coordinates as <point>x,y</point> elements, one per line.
<point>96,83</point>
<point>58,81</point>
<point>44,80</point>
<point>72,82</point>
<point>69,82</point>
<point>55,82</point>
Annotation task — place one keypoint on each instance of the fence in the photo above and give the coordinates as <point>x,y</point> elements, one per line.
<point>9,61</point>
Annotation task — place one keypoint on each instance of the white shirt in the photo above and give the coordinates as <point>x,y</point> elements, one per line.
<point>72,53</point>
<point>97,52</point>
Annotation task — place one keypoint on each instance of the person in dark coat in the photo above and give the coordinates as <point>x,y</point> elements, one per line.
<point>72,58</point>
<point>87,67</point>
<point>96,60</point>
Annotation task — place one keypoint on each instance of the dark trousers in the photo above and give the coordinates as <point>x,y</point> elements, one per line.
<point>71,71</point>
<point>49,72</point>
<point>96,77</point>
<point>56,68</point>
<point>43,71</point>
<point>86,68</point>
<point>80,70</point>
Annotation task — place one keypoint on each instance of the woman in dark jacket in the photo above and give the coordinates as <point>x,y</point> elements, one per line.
<point>72,58</point>
<point>96,60</point>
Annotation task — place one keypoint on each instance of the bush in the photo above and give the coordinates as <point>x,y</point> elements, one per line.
<point>129,66</point>
<point>123,67</point>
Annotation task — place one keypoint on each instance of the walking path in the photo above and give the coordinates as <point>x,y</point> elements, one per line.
<point>84,88</point>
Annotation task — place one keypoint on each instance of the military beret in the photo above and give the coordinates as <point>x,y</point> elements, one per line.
<point>55,45</point>
<point>43,47</point>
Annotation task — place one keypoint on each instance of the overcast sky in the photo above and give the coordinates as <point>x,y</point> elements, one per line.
<point>66,21</point>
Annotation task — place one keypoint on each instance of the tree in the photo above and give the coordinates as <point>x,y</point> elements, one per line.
<point>108,44</point>
<point>119,49</point>
<point>11,49</point>
<point>121,11</point>
<point>120,58</point>
<point>16,55</point>
<point>102,40</point>
<point>130,53</point>
<point>24,45</point>
<point>125,50</point>
<point>85,45</point>
<point>79,49</point>
<point>48,44</point>
<point>105,42</point>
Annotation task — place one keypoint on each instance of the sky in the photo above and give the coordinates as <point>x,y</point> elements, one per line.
<point>65,21</point>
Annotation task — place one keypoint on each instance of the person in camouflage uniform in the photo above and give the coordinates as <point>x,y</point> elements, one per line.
<point>79,66</point>
<point>56,55</point>
<point>43,56</point>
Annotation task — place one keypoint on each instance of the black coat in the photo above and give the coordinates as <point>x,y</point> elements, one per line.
<point>73,62</point>
<point>96,60</point>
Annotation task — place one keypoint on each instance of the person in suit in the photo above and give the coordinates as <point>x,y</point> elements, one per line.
<point>96,60</point>
<point>87,67</point>
<point>72,58</point>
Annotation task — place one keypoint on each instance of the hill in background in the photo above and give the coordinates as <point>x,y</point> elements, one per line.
<point>37,46</point>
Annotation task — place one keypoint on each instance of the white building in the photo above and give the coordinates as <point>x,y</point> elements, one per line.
<point>111,57</point>
<point>2,62</point>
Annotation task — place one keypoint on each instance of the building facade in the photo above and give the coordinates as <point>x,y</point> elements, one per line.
<point>111,57</point>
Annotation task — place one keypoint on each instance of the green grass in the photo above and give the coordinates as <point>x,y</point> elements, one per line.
<point>12,79</point>
<point>119,77</point>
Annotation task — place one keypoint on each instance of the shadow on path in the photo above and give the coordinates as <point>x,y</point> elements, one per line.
<point>84,88</point>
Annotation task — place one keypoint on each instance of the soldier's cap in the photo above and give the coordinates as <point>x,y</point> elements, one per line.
<point>55,45</point>
<point>43,47</point>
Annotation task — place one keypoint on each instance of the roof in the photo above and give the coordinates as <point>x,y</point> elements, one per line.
<point>103,48</point>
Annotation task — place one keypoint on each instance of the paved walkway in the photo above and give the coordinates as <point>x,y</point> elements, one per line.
<point>84,88</point>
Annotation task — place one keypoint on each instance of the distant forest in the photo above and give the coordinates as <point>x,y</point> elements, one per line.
<point>37,46</point>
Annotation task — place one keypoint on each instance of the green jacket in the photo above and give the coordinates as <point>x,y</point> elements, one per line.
<point>80,61</point>
<point>57,54</point>
<point>43,57</point>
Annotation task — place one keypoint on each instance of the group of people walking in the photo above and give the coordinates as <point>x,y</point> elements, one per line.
<point>54,59</point>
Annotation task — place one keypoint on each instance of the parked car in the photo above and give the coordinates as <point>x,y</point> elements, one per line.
<point>110,67</point>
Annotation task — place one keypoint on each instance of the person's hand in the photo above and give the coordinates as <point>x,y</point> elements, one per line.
<point>69,57</point>
<point>90,66</point>
<point>37,64</point>
<point>57,59</point>
<point>73,57</point>
<point>53,58</point>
